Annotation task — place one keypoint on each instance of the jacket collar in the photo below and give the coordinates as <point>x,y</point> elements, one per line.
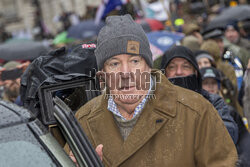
<point>155,114</point>
<point>165,94</point>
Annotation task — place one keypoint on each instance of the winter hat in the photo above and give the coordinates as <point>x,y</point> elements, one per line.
<point>203,54</point>
<point>232,24</point>
<point>121,35</point>
<point>210,72</point>
<point>212,48</point>
<point>190,28</point>
<point>191,42</point>
<point>213,34</point>
<point>178,51</point>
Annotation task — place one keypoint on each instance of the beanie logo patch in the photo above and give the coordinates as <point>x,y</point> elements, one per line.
<point>133,47</point>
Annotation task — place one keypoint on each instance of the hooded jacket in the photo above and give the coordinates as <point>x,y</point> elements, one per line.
<point>216,100</point>
<point>224,112</point>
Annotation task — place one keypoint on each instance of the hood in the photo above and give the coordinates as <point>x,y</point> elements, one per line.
<point>180,52</point>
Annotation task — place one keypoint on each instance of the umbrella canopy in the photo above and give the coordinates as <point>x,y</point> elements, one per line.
<point>149,25</point>
<point>238,13</point>
<point>22,50</point>
<point>160,41</point>
<point>85,30</point>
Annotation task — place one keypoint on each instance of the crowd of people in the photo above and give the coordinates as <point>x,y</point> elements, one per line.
<point>189,107</point>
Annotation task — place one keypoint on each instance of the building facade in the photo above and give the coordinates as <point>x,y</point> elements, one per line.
<point>22,15</point>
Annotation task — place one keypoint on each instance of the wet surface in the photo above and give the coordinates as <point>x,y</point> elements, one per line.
<point>19,138</point>
<point>24,154</point>
<point>12,114</point>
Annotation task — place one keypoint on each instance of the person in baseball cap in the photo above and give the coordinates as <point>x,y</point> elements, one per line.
<point>211,79</point>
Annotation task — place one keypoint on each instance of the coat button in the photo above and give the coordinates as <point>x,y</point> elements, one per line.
<point>159,120</point>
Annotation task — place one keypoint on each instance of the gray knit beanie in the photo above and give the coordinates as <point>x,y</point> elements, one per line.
<point>121,35</point>
<point>204,55</point>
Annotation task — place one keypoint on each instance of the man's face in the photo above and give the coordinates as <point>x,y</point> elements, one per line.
<point>232,35</point>
<point>127,78</point>
<point>204,62</point>
<point>210,85</point>
<point>11,88</point>
<point>179,67</point>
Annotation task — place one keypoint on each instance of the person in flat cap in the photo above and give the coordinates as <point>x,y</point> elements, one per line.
<point>225,45</point>
<point>231,54</point>
<point>141,119</point>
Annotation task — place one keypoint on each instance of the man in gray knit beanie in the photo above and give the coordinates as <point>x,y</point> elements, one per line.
<point>123,54</point>
<point>122,35</point>
<point>141,119</point>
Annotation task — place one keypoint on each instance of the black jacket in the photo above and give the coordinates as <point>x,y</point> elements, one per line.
<point>243,142</point>
<point>224,111</point>
<point>195,84</point>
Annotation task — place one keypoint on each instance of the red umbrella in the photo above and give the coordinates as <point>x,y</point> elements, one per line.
<point>149,25</point>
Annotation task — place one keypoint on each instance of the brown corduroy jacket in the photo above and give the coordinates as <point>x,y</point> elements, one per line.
<point>178,128</point>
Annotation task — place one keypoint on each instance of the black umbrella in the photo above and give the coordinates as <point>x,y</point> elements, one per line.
<point>238,13</point>
<point>28,50</point>
<point>85,30</point>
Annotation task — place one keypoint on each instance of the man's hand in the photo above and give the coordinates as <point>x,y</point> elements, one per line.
<point>99,151</point>
<point>71,155</point>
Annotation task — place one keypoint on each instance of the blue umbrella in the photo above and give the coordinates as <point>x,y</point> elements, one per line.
<point>85,30</point>
<point>160,41</point>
